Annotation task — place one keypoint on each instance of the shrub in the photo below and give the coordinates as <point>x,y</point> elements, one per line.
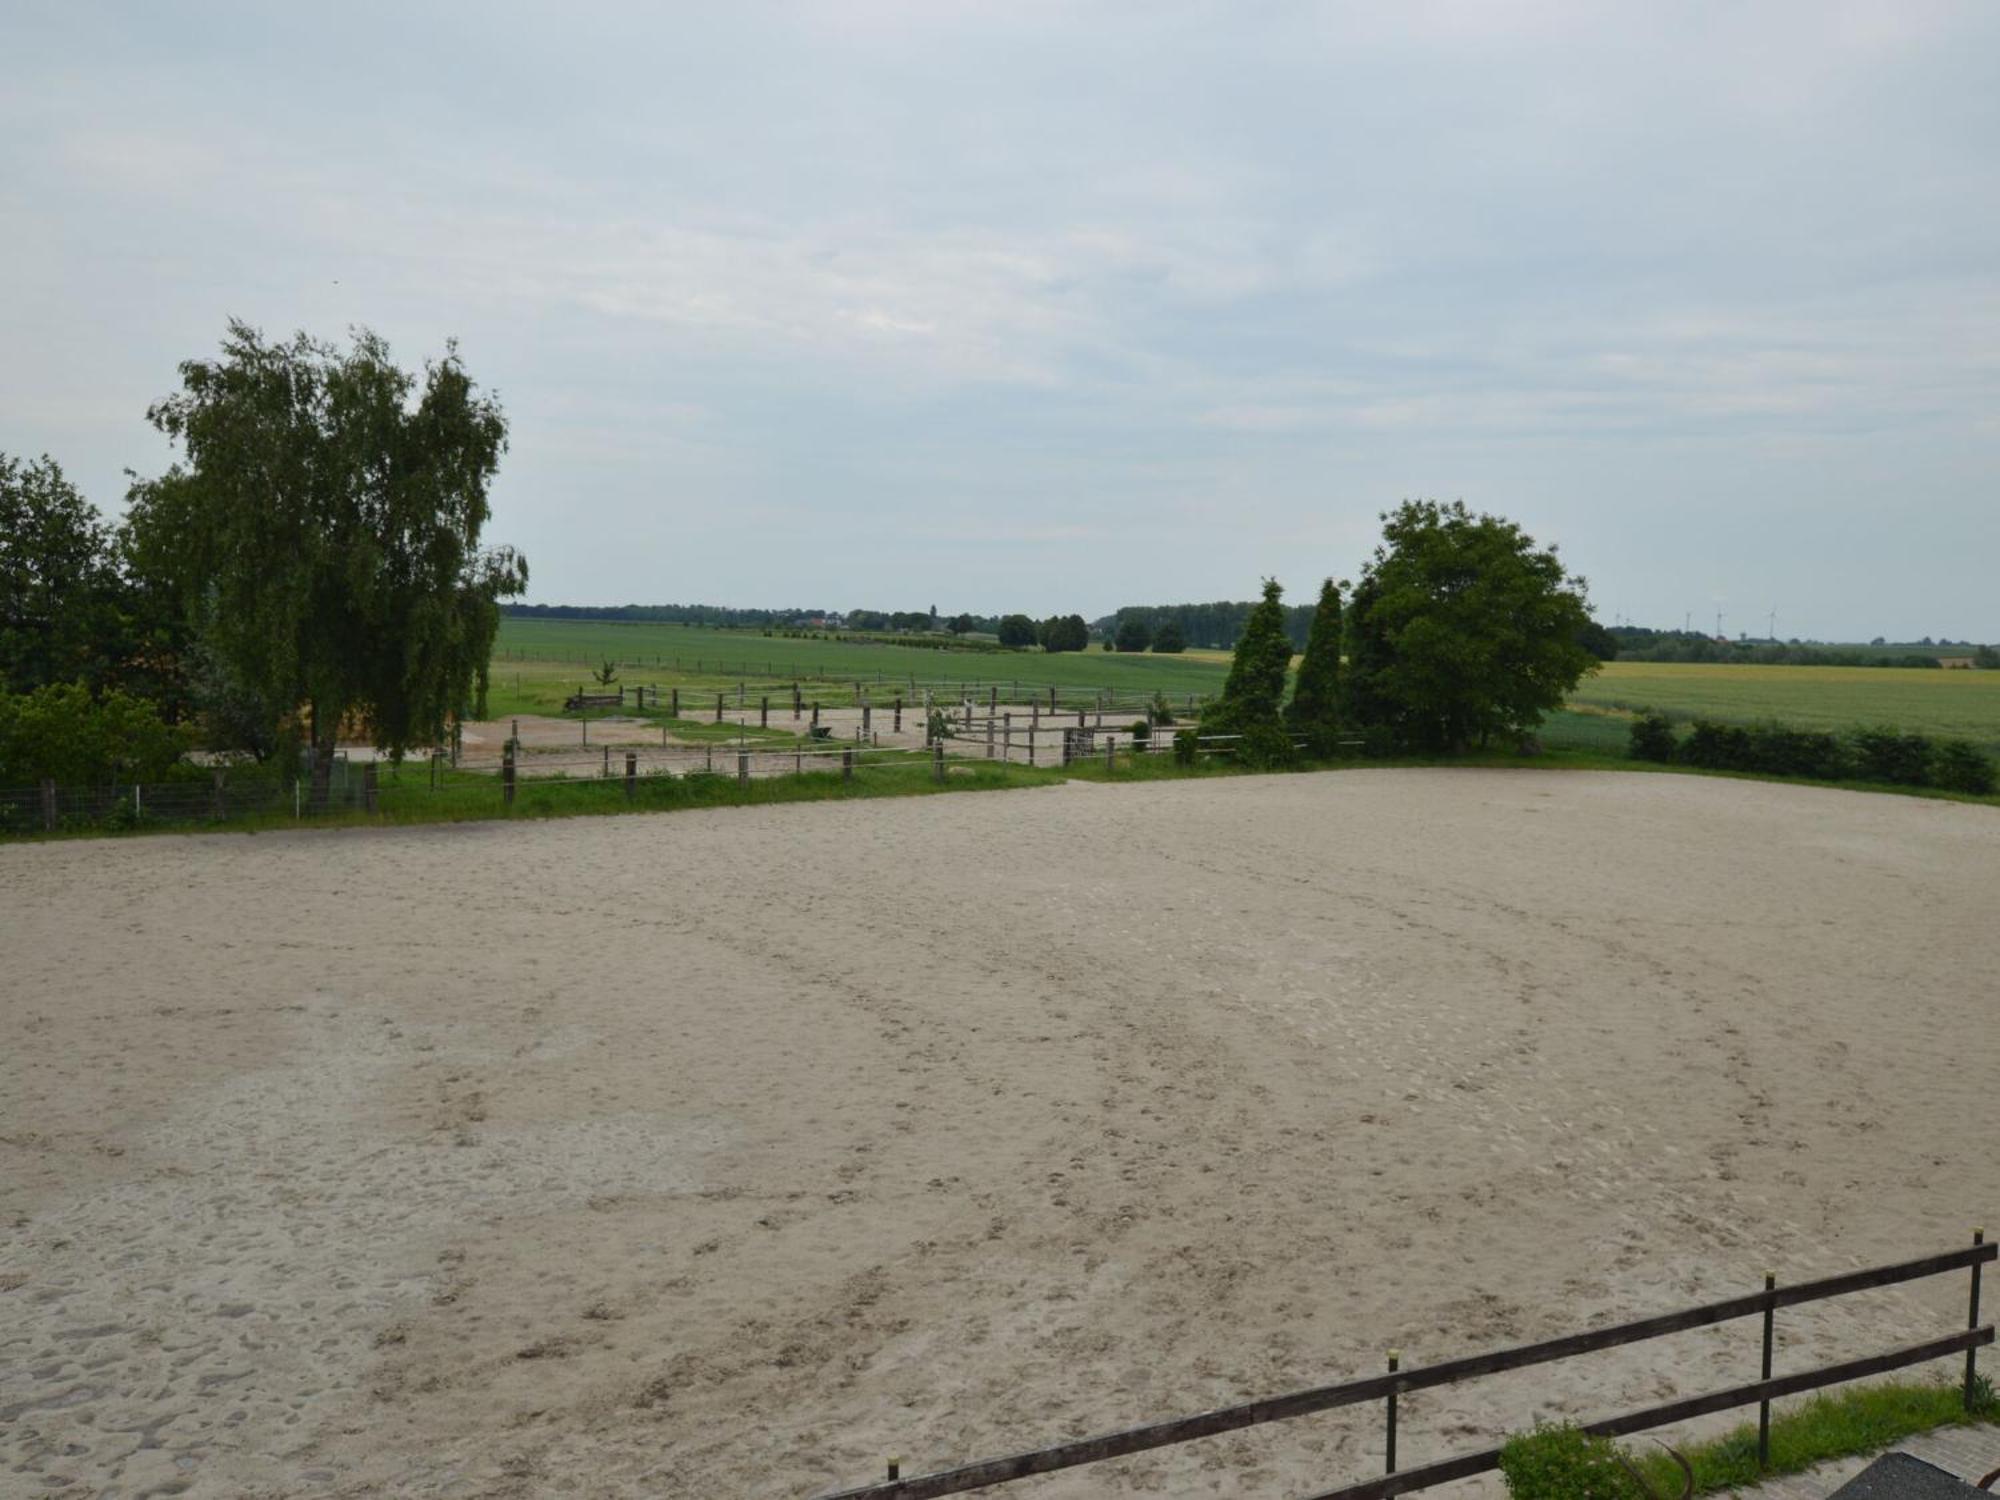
<point>1886,755</point>
<point>1142,731</point>
<point>1268,747</point>
<point>1780,751</point>
<point>1187,747</point>
<point>1960,766</point>
<point>1566,1463</point>
<point>1133,635</point>
<point>1715,747</point>
<point>1160,712</point>
<point>1652,737</point>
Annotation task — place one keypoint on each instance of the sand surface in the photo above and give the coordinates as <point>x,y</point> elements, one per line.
<point>723,1153</point>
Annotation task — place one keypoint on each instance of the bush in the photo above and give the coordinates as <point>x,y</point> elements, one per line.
<point>1960,766</point>
<point>1779,751</point>
<point>1268,747</point>
<point>1886,755</point>
<point>1142,731</point>
<point>1187,747</point>
<point>1715,747</point>
<point>1160,711</point>
<point>1652,737</point>
<point>1566,1463</point>
<point>62,733</point>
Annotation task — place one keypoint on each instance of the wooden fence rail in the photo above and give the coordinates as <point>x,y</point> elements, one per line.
<point>1396,1382</point>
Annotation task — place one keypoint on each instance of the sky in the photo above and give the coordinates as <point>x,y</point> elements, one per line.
<point>1049,307</point>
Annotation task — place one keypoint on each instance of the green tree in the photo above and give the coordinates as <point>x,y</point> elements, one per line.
<point>1314,712</point>
<point>1169,640</point>
<point>1468,629</point>
<point>1255,687</point>
<point>1064,633</point>
<point>1017,630</point>
<point>1133,636</point>
<point>60,588</point>
<point>323,537</point>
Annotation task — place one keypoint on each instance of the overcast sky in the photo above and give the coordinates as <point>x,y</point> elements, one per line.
<point>1054,307</point>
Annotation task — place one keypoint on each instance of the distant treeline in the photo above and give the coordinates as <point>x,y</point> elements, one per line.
<point>670,614</point>
<point>1636,643</point>
<point>1215,626</point>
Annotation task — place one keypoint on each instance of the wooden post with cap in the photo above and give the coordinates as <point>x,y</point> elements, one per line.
<point>1395,1359</point>
<point>1972,1321</point>
<point>1764,1373</point>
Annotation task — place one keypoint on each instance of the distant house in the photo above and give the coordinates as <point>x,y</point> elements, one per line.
<point>1964,663</point>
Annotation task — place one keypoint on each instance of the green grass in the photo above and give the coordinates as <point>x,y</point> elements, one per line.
<point>1861,1419</point>
<point>1964,705</point>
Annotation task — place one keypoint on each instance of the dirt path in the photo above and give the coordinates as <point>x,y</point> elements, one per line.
<point>724,1153</point>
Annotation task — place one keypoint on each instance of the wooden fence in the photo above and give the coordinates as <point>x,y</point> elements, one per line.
<point>1387,1387</point>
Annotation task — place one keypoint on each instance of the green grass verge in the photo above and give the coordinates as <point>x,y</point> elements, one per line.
<point>1862,1419</point>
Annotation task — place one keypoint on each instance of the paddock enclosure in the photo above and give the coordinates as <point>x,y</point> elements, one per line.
<point>732,1152</point>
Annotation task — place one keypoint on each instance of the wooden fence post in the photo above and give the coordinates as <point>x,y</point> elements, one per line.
<point>1972,1321</point>
<point>847,765</point>
<point>899,713</point>
<point>1395,1359</point>
<point>1110,752</point>
<point>221,807</point>
<point>989,736</point>
<point>867,720</point>
<point>1007,734</point>
<point>937,761</point>
<point>507,774</point>
<point>743,768</point>
<point>631,775</point>
<point>368,786</point>
<point>764,713</point>
<point>605,774</point>
<point>48,804</point>
<point>675,710</point>
<point>1764,1373</point>
<point>718,707</point>
<point>815,722</point>
<point>797,704</point>
<point>1052,700</point>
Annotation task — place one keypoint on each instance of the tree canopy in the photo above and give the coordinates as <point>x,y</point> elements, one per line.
<point>324,533</point>
<point>60,589</point>
<point>1064,633</point>
<point>1461,628</point>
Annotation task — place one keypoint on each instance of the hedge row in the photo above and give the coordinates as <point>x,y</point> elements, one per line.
<point>1779,750</point>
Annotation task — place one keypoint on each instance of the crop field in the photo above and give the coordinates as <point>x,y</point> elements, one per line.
<point>1957,703</point>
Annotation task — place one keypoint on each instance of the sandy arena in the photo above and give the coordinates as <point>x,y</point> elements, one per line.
<point>722,1154</point>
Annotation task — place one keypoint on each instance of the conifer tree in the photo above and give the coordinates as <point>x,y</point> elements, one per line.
<point>1256,685</point>
<point>1314,712</point>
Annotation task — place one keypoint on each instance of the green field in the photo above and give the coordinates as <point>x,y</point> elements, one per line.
<point>1961,704</point>
<point>537,662</point>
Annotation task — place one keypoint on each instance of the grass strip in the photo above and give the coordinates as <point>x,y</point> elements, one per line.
<point>1822,1427</point>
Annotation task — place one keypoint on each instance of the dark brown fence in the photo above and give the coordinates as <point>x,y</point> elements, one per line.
<point>1396,1382</point>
